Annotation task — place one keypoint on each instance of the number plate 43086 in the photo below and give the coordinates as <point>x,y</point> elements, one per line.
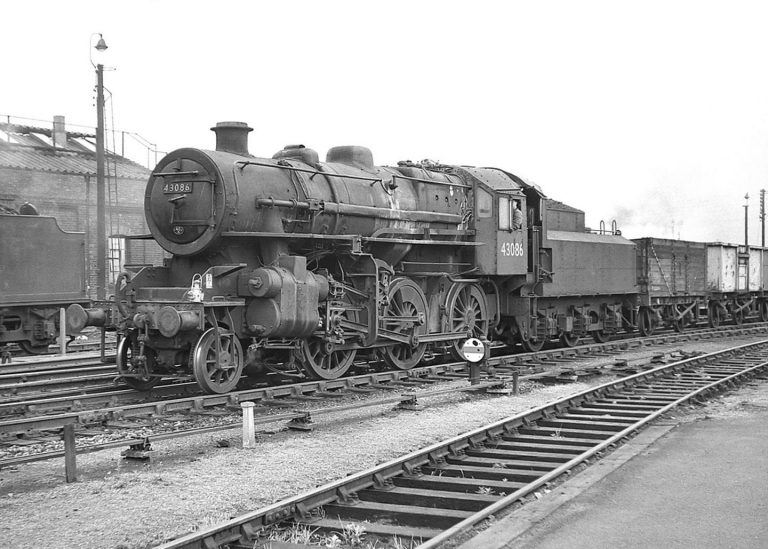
<point>511,249</point>
<point>174,188</point>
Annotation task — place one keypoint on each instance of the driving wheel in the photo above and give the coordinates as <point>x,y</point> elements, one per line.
<point>319,363</point>
<point>405,315</point>
<point>318,357</point>
<point>467,312</point>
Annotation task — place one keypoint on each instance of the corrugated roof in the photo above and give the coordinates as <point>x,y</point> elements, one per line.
<point>27,149</point>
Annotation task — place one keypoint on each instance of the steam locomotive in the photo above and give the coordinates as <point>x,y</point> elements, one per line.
<point>296,265</point>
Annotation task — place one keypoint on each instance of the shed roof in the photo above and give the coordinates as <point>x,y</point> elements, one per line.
<point>31,148</point>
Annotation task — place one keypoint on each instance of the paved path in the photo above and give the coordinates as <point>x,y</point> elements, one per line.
<point>657,499</point>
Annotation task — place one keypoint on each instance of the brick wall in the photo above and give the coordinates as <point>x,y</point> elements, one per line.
<point>71,199</point>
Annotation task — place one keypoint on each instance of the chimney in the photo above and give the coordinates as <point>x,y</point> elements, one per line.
<point>59,134</point>
<point>232,137</point>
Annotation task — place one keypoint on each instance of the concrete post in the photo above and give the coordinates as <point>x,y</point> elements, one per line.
<point>70,453</point>
<point>62,331</point>
<point>474,372</point>
<point>249,433</point>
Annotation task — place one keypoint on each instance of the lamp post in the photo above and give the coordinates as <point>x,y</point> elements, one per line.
<point>746,220</point>
<point>101,211</point>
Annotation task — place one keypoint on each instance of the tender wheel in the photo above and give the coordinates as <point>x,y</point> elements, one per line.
<point>31,349</point>
<point>568,339</point>
<point>626,314</point>
<point>406,315</point>
<point>600,336</point>
<point>217,368</point>
<point>764,311</point>
<point>645,323</point>
<point>738,317</point>
<point>714,316</point>
<point>532,345</point>
<point>467,312</point>
<point>132,375</point>
<point>320,364</point>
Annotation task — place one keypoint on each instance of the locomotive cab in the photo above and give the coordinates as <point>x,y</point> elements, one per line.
<point>506,213</point>
<point>500,214</point>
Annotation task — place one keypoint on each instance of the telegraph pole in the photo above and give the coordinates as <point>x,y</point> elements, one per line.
<point>101,208</point>
<point>762,216</point>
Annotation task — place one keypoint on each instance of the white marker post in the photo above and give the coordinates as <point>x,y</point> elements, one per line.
<point>474,352</point>
<point>249,433</point>
<point>62,331</point>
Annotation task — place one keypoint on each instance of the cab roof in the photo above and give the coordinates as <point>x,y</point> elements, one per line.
<point>500,180</point>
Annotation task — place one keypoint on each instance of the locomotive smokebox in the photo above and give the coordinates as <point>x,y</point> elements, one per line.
<point>232,137</point>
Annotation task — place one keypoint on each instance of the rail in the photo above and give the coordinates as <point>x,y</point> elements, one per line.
<point>406,497</point>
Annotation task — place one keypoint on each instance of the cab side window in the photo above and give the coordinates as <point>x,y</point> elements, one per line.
<point>516,215</point>
<point>484,204</point>
<point>504,213</point>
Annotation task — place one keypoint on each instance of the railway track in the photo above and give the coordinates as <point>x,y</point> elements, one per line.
<point>23,411</point>
<point>428,497</point>
<point>272,403</point>
<point>36,363</point>
<point>76,383</point>
<point>99,410</point>
<point>75,377</point>
<point>51,376</point>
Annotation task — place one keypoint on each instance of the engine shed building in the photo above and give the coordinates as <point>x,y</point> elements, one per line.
<point>55,170</point>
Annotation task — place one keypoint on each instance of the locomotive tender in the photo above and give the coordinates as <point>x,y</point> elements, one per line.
<point>288,263</point>
<point>42,268</point>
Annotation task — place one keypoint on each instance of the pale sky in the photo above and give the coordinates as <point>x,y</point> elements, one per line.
<point>651,113</point>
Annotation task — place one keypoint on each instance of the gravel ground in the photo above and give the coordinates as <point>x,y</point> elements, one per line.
<point>192,483</point>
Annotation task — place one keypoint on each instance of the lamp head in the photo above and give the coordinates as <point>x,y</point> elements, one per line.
<point>101,45</point>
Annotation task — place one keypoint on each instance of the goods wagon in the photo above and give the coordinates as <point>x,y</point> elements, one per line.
<point>682,283</point>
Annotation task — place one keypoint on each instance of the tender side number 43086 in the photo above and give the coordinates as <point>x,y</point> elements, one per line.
<point>511,249</point>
